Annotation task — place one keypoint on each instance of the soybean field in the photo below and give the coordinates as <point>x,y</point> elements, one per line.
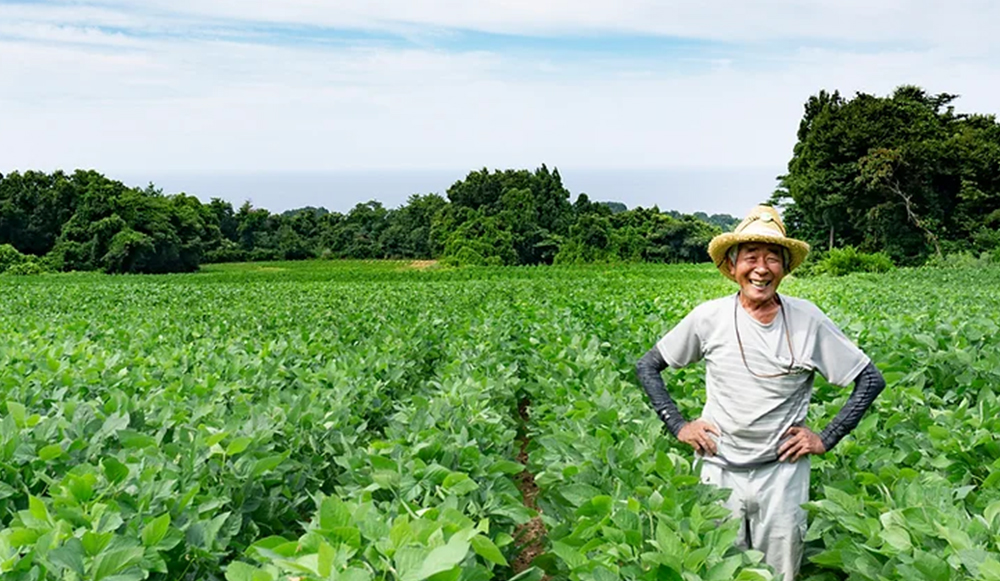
<point>373,421</point>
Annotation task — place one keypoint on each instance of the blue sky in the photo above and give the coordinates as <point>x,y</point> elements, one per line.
<point>675,88</point>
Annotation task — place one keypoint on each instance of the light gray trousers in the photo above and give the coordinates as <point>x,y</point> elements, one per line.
<point>769,502</point>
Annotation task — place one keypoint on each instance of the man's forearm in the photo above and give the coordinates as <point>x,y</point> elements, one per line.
<point>867,386</point>
<point>648,368</point>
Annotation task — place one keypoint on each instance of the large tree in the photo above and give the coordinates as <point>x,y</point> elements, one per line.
<point>905,174</point>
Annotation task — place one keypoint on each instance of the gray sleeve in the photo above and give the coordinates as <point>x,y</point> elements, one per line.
<point>648,368</point>
<point>867,386</point>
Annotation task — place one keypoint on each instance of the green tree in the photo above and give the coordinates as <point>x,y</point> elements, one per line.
<point>33,208</point>
<point>168,231</point>
<point>532,206</point>
<point>254,227</point>
<point>408,233</point>
<point>590,240</point>
<point>903,173</point>
<point>481,240</point>
<point>129,252</point>
<point>684,240</point>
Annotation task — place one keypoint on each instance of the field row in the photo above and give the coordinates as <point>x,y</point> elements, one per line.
<point>316,426</point>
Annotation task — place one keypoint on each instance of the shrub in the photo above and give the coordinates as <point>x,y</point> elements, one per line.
<point>575,252</point>
<point>25,268</point>
<point>964,259</point>
<point>227,251</point>
<point>129,251</point>
<point>264,255</point>
<point>9,256</point>
<point>468,256</point>
<point>841,261</point>
<point>51,262</point>
<point>986,239</point>
<point>480,241</point>
<point>808,266</point>
<point>13,262</point>
<point>70,255</point>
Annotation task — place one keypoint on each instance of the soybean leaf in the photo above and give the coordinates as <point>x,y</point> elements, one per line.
<point>485,548</point>
<point>156,530</point>
<point>70,556</point>
<point>115,561</point>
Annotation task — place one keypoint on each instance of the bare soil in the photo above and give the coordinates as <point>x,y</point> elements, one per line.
<point>531,535</point>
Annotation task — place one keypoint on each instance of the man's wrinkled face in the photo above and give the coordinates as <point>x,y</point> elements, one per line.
<point>758,270</point>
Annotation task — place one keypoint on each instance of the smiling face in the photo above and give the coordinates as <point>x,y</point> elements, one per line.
<point>758,270</point>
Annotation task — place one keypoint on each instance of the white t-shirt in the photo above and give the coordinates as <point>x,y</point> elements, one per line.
<point>753,413</point>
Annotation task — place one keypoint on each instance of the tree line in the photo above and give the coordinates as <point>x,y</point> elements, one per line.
<point>905,175</point>
<point>87,221</point>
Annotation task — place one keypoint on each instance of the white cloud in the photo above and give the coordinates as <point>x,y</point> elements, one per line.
<point>117,88</point>
<point>51,33</point>
<point>71,14</point>
<point>969,22</point>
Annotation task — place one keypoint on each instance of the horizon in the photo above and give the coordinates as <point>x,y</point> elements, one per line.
<point>683,190</point>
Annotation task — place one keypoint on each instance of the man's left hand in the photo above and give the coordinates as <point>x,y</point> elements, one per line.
<point>799,441</point>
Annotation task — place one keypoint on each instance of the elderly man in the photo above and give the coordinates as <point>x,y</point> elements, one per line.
<point>762,351</point>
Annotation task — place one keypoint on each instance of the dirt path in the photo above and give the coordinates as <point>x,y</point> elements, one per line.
<point>530,535</point>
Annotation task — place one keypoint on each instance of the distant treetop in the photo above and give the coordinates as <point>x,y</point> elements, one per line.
<point>317,212</point>
<point>615,207</point>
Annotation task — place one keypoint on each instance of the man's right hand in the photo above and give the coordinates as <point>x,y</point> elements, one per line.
<point>696,434</point>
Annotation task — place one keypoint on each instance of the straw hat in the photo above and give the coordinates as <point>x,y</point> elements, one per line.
<point>762,224</point>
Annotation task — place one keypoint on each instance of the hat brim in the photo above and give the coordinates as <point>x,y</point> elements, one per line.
<point>721,244</point>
